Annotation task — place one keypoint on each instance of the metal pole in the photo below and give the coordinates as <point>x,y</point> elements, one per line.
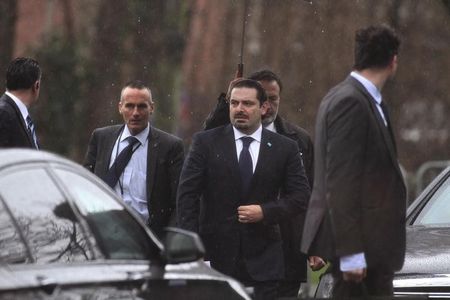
<point>240,72</point>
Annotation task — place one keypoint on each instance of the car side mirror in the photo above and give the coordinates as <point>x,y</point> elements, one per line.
<point>182,246</point>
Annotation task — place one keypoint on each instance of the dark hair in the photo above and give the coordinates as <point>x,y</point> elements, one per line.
<point>375,46</point>
<point>135,84</point>
<point>266,75</point>
<point>252,84</point>
<point>22,73</point>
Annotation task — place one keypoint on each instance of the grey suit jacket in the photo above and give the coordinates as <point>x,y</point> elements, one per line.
<point>358,203</point>
<point>164,161</point>
<point>210,193</point>
<point>13,130</point>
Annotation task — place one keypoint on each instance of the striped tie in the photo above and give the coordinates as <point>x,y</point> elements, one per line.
<point>32,130</point>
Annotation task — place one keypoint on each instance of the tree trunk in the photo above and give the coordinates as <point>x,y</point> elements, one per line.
<point>8,17</point>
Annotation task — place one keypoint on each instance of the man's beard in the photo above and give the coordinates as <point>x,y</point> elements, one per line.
<point>267,120</point>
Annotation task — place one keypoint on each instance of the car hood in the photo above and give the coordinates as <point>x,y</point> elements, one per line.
<point>34,275</point>
<point>427,250</point>
<point>135,273</point>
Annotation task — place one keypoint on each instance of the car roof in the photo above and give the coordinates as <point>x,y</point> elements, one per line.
<point>14,156</point>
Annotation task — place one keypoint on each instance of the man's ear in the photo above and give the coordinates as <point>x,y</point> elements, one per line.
<point>120,107</point>
<point>394,61</point>
<point>152,107</point>
<point>264,107</point>
<point>36,85</point>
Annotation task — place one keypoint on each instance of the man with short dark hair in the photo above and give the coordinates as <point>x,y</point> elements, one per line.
<point>238,182</point>
<point>356,215</point>
<point>292,228</point>
<point>23,78</point>
<point>140,162</point>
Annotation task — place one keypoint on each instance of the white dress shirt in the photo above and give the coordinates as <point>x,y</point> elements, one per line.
<point>271,127</point>
<point>254,146</point>
<point>372,90</point>
<point>132,184</point>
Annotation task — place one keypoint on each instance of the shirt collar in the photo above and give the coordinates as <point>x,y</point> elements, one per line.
<point>23,109</point>
<point>141,136</point>
<point>271,127</point>
<point>255,135</point>
<point>370,87</point>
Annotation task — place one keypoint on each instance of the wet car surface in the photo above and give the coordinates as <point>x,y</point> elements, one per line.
<point>426,270</point>
<point>65,234</point>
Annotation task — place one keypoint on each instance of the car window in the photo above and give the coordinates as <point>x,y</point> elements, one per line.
<point>117,233</point>
<point>50,230</point>
<point>12,249</point>
<point>437,209</point>
<point>97,291</point>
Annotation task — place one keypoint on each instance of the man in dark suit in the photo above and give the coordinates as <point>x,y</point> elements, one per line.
<point>23,78</point>
<point>292,228</point>
<point>147,182</point>
<point>238,182</point>
<point>356,215</point>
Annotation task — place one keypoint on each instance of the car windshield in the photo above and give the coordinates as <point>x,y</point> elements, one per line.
<point>116,232</point>
<point>437,209</point>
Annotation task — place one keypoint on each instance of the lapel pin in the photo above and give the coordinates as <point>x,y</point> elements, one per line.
<point>269,144</point>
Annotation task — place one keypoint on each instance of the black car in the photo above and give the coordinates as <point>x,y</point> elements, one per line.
<point>426,270</point>
<point>65,234</point>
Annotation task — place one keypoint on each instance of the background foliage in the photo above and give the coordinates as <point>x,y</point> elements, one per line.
<point>187,51</point>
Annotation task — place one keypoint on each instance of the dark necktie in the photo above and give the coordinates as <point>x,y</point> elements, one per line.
<point>32,130</point>
<point>121,162</point>
<point>245,163</point>
<point>385,110</point>
<point>385,113</point>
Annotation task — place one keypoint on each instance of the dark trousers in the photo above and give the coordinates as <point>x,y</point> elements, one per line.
<point>263,290</point>
<point>378,282</point>
<point>288,288</point>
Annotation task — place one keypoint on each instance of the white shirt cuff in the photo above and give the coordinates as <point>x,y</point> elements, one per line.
<point>353,262</point>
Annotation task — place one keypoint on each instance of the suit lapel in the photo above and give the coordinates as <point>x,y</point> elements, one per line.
<point>152,158</point>
<point>226,147</point>
<point>107,150</point>
<point>265,149</point>
<point>21,120</point>
<point>387,136</point>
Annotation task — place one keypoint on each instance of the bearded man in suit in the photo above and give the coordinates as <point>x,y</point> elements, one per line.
<point>148,180</point>
<point>292,228</point>
<point>356,214</point>
<point>238,182</point>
